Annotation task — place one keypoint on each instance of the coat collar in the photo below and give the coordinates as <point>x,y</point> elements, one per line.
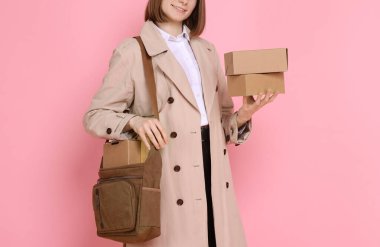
<point>156,47</point>
<point>168,37</point>
<point>152,39</point>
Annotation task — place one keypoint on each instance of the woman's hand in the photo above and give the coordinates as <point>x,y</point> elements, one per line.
<point>151,127</point>
<point>253,103</point>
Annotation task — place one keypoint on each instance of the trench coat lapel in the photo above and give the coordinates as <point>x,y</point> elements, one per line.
<point>166,61</point>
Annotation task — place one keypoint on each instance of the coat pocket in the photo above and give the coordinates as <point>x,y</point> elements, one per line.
<point>115,204</point>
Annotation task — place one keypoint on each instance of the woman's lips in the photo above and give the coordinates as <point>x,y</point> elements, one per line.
<point>179,9</point>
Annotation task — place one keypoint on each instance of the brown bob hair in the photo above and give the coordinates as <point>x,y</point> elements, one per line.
<point>195,22</point>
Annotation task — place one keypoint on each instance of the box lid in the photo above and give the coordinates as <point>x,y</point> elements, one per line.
<point>256,61</point>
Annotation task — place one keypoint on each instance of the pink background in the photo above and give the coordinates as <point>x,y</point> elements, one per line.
<point>307,177</point>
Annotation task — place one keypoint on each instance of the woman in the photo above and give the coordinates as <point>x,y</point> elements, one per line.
<point>196,123</point>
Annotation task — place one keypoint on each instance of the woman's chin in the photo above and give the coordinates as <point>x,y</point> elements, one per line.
<point>177,19</point>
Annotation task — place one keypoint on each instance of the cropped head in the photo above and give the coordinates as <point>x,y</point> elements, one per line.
<point>192,13</point>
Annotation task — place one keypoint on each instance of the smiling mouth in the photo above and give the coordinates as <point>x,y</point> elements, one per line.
<point>179,8</point>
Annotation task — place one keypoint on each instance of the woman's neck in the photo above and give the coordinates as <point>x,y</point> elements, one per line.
<point>173,28</point>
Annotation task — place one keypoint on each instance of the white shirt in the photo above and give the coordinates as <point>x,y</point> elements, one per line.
<point>182,51</point>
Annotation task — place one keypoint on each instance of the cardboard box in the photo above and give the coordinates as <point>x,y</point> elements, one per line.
<point>256,61</point>
<point>119,153</point>
<point>251,84</point>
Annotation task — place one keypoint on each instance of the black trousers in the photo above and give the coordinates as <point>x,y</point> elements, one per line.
<point>207,171</point>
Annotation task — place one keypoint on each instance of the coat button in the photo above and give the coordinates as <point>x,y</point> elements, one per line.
<point>227,184</point>
<point>221,120</point>
<point>177,168</point>
<point>224,151</point>
<point>216,89</point>
<point>173,134</point>
<point>109,131</point>
<point>179,202</point>
<point>170,100</point>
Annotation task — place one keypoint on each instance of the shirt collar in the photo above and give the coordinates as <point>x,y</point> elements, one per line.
<point>167,36</point>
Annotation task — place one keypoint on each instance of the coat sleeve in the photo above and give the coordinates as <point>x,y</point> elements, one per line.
<point>109,110</point>
<point>232,133</point>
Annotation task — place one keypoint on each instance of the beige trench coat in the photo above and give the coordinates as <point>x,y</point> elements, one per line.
<point>123,94</point>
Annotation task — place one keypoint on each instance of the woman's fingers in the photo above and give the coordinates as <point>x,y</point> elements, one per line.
<point>155,132</point>
<point>141,133</point>
<point>262,95</point>
<point>273,97</point>
<point>262,99</point>
<point>267,95</point>
<point>158,135</point>
<point>162,131</point>
<point>149,131</point>
<point>150,127</point>
<point>257,98</point>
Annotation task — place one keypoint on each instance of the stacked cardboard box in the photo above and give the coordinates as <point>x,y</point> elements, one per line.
<point>127,152</point>
<point>252,72</point>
